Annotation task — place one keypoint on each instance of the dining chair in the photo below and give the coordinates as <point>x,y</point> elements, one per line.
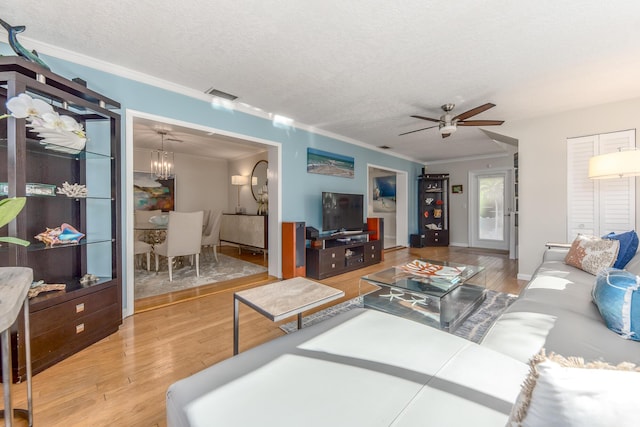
<point>211,235</point>
<point>184,237</point>
<point>140,247</point>
<point>206,220</point>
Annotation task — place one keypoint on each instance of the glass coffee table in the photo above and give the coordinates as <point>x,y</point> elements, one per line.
<point>437,293</point>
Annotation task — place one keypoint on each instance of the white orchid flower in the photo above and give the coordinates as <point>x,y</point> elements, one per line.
<point>70,124</point>
<point>23,106</point>
<point>52,121</point>
<point>58,132</point>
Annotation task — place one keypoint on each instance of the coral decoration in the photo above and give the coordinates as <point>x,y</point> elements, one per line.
<point>63,235</point>
<point>76,190</point>
<point>439,202</point>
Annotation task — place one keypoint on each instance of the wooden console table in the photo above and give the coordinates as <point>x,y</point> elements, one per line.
<point>14,287</point>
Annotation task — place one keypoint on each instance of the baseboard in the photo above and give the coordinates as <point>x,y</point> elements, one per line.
<point>462,245</point>
<point>523,276</point>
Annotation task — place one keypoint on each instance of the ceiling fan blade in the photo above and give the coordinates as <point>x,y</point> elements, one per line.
<point>427,118</point>
<point>418,130</point>
<point>481,123</point>
<point>445,135</point>
<point>474,111</point>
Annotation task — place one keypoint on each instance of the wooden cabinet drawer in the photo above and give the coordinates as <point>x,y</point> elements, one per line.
<point>65,338</point>
<point>436,237</point>
<point>332,259</point>
<point>372,252</point>
<point>50,318</point>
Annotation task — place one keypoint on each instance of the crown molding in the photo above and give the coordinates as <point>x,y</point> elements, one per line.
<point>128,73</point>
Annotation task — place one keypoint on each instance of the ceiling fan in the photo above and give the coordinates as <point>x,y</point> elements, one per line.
<point>447,123</point>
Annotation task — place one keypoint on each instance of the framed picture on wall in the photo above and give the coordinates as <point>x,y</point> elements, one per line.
<point>384,193</point>
<point>456,188</point>
<point>326,163</point>
<point>150,193</point>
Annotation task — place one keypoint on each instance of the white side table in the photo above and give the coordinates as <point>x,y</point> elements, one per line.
<point>14,288</point>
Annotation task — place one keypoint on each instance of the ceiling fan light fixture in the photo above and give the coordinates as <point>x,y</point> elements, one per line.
<point>447,128</point>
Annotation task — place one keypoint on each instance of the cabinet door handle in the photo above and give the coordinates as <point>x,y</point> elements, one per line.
<point>80,307</point>
<point>79,328</point>
<point>333,266</point>
<point>333,255</point>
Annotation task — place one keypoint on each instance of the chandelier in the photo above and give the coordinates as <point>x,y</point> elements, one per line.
<point>162,161</point>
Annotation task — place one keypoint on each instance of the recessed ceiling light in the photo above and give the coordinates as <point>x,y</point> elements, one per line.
<point>220,94</point>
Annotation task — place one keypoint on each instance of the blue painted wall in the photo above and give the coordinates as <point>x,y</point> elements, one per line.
<point>301,191</point>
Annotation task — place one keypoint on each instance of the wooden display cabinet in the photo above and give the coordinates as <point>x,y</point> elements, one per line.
<point>63,322</point>
<point>433,209</point>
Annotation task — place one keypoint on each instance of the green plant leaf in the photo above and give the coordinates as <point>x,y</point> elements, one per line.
<point>14,240</point>
<point>10,208</point>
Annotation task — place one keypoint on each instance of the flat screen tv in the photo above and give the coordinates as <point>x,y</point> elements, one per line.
<point>342,212</point>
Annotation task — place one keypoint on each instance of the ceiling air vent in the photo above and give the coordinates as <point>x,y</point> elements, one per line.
<point>384,147</point>
<point>220,94</point>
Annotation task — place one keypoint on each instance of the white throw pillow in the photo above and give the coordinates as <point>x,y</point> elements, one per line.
<point>592,254</point>
<point>568,392</point>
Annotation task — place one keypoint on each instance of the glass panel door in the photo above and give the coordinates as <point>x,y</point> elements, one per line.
<point>490,209</point>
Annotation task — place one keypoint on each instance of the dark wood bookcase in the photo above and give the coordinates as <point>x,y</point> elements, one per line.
<point>63,322</point>
<point>433,209</point>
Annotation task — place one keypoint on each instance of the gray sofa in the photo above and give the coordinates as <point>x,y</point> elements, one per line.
<point>555,311</point>
<point>367,368</point>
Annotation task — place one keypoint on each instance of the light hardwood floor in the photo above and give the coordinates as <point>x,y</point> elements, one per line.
<point>122,380</point>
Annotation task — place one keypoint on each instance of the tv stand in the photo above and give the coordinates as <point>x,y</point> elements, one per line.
<point>337,253</point>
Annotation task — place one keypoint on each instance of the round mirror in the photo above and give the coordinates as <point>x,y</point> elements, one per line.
<point>260,173</point>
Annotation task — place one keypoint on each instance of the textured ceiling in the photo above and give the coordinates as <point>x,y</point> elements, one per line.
<point>360,68</point>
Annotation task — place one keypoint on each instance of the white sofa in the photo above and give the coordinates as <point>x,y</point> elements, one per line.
<point>360,368</point>
<point>366,368</point>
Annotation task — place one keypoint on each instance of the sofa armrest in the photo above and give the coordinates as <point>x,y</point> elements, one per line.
<point>551,245</point>
<point>555,251</point>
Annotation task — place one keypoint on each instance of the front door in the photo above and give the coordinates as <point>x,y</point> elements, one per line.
<point>490,209</point>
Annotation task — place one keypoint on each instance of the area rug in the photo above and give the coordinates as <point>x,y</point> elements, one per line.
<point>226,268</point>
<point>472,329</point>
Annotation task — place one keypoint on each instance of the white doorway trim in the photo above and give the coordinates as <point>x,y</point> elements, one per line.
<point>474,240</point>
<point>402,202</point>
<point>275,200</point>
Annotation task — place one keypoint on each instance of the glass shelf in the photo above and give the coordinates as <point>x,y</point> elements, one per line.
<point>37,147</point>
<point>39,246</point>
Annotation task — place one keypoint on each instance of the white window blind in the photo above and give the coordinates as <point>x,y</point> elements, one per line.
<point>597,207</point>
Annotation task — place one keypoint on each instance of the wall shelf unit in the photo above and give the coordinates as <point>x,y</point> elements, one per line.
<point>63,322</point>
<point>433,209</point>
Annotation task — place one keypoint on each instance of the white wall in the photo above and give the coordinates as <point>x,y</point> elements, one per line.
<point>543,171</point>
<point>201,183</point>
<point>459,203</point>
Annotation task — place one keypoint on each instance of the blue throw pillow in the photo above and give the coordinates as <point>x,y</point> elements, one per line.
<point>617,295</point>
<point>628,247</point>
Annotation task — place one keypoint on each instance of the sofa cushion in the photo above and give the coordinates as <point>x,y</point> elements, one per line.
<point>633,266</point>
<point>628,246</point>
<point>570,392</point>
<point>527,326</point>
<point>617,295</point>
<point>592,254</point>
<point>359,368</point>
